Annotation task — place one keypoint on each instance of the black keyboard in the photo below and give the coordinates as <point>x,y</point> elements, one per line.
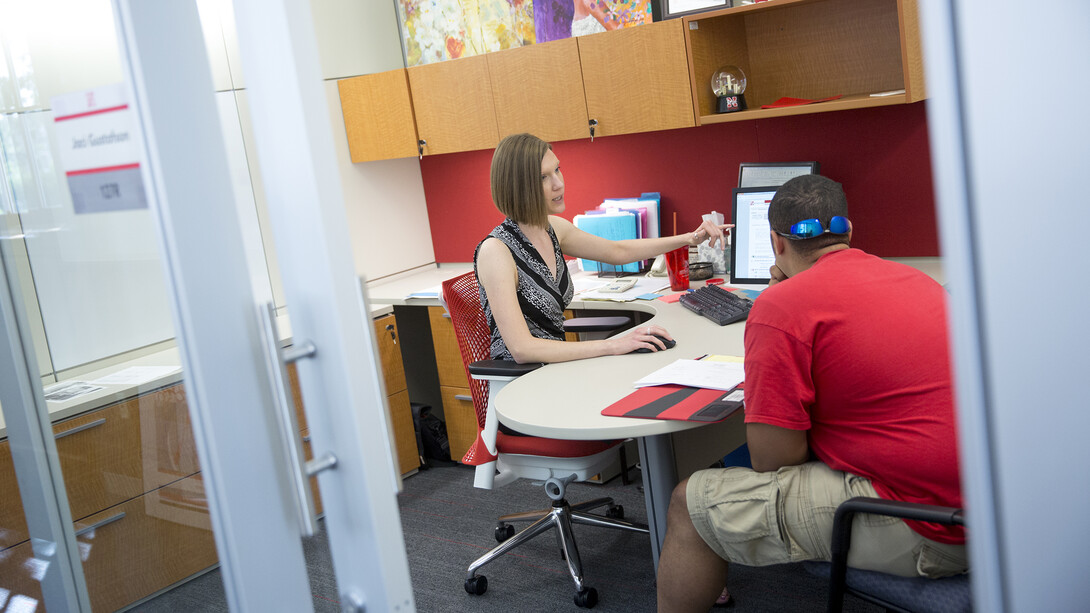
<point>717,304</point>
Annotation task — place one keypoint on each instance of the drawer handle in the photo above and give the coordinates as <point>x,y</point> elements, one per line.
<point>96,526</point>
<point>463,397</point>
<point>445,315</point>
<point>86,426</point>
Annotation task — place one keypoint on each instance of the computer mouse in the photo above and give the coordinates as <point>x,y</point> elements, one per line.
<point>669,343</point>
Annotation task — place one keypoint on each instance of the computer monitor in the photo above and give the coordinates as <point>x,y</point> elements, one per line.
<point>773,174</point>
<point>751,248</point>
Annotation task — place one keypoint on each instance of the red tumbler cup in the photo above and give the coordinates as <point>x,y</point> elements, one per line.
<point>677,268</point>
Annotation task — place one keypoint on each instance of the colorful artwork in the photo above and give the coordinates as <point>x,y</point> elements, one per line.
<point>557,19</point>
<point>437,30</point>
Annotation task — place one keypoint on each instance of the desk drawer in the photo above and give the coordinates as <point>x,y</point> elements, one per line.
<point>13,528</point>
<point>100,455</point>
<point>147,544</point>
<point>448,360</point>
<point>461,420</point>
<point>19,578</point>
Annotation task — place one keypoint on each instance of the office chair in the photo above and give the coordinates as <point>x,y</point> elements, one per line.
<point>500,459</point>
<point>895,593</point>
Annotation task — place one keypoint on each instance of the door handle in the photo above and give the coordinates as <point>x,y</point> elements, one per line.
<point>276,361</point>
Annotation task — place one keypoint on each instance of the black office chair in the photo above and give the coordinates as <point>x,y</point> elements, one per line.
<point>501,459</point>
<point>895,593</point>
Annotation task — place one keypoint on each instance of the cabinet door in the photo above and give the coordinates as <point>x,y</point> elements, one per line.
<point>453,105</point>
<point>461,420</point>
<point>401,419</point>
<point>539,89</point>
<point>448,359</point>
<point>637,79</point>
<point>13,528</point>
<point>378,116</point>
<point>393,369</point>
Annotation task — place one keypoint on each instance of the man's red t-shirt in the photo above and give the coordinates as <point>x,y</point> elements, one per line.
<point>855,350</point>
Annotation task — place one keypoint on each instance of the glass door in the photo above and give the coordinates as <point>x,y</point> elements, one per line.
<point>147,359</point>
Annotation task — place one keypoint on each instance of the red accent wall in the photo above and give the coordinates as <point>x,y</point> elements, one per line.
<point>880,155</point>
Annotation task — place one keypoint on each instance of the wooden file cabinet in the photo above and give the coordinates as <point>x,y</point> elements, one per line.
<point>453,384</point>
<point>134,486</point>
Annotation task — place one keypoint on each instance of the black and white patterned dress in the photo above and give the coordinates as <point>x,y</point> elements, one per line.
<point>541,298</point>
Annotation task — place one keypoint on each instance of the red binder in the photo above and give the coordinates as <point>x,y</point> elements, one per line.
<point>678,402</point>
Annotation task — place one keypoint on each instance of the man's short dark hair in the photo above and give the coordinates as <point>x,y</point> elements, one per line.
<point>808,197</point>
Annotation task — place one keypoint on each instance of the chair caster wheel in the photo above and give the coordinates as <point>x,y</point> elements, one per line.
<point>504,532</point>
<point>615,512</point>
<point>477,585</point>
<point>586,598</point>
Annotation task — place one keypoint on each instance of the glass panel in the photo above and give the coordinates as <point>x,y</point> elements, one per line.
<point>98,312</point>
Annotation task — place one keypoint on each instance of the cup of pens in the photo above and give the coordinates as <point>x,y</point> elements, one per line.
<point>677,268</point>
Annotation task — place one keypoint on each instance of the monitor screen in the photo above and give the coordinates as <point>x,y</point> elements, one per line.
<point>751,248</point>
<point>773,174</point>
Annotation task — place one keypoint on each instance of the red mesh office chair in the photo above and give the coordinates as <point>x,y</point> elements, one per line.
<point>500,458</point>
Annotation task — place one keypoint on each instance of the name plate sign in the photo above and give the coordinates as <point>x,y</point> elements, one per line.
<point>99,151</point>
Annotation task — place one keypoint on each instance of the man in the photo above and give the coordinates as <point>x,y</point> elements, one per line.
<point>848,393</point>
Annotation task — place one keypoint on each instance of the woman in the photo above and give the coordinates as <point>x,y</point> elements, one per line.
<point>525,285</point>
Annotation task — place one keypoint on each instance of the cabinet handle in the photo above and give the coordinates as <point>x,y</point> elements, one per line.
<point>393,332</point>
<point>446,315</point>
<point>97,525</point>
<point>463,397</point>
<point>86,426</point>
<point>420,144</point>
<point>593,124</point>
<point>276,361</point>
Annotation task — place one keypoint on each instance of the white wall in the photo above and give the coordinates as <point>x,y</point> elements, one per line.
<point>97,277</point>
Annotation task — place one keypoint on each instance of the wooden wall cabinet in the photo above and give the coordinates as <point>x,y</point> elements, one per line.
<point>453,104</point>
<point>654,77</point>
<point>539,89</point>
<point>637,79</point>
<point>809,49</point>
<point>378,116</point>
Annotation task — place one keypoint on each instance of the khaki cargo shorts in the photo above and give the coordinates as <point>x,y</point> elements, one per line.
<point>784,516</point>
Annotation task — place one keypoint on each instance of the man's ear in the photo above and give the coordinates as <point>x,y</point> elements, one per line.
<point>779,243</point>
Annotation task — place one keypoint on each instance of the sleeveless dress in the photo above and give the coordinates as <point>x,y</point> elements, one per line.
<point>541,298</point>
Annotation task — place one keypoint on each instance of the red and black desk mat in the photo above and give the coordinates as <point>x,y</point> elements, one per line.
<point>678,402</point>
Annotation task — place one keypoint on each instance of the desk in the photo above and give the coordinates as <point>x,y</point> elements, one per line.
<point>578,391</point>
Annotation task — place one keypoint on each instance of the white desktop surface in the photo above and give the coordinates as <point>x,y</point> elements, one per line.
<point>579,390</point>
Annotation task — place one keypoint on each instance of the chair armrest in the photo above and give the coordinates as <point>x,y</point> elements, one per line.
<point>842,531</point>
<point>596,324</point>
<point>502,368</point>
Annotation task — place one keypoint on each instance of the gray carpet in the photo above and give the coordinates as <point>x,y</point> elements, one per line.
<point>447,524</point>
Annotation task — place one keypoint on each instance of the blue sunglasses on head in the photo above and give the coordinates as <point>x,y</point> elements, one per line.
<point>809,228</point>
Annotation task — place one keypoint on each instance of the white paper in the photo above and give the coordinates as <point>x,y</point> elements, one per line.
<point>69,390</point>
<point>135,375</point>
<point>644,285</point>
<point>431,292</point>
<point>697,373</point>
